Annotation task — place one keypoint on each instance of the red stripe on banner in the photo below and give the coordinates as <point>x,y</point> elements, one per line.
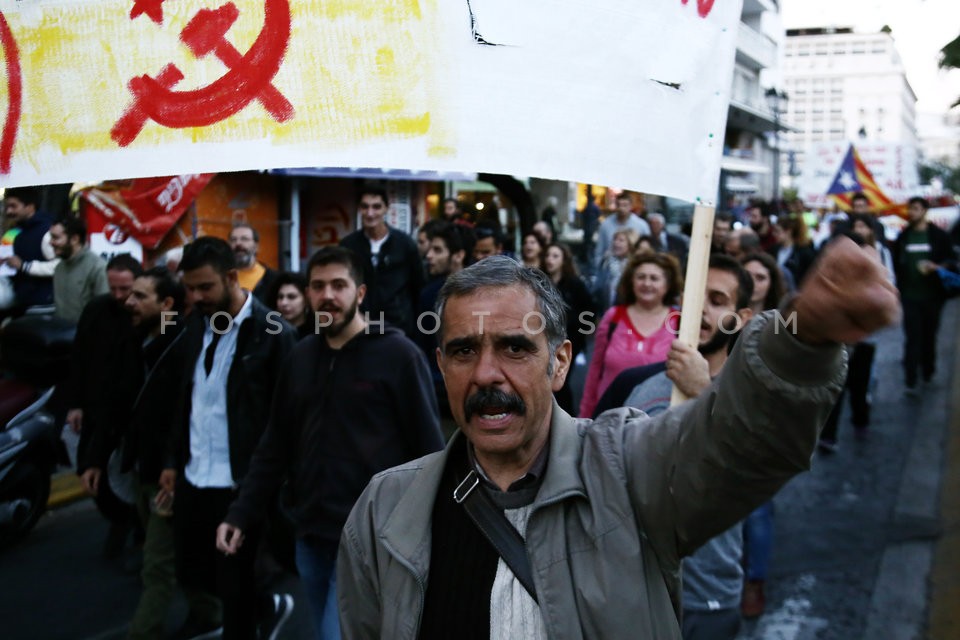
<point>14,95</point>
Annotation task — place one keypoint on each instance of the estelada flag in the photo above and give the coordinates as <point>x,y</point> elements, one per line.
<point>147,208</point>
<point>854,177</point>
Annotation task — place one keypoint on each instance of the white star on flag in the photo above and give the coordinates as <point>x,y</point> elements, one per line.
<point>847,180</point>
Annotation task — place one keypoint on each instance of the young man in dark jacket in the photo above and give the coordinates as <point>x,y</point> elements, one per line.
<point>920,249</point>
<point>94,408</point>
<point>392,271</point>
<point>233,354</point>
<point>33,287</point>
<point>151,370</point>
<point>350,402</point>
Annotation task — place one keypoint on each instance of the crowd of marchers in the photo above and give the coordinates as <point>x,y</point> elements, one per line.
<point>249,429</point>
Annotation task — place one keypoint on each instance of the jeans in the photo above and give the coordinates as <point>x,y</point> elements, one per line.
<point>317,566</point>
<point>722,624</point>
<point>758,541</point>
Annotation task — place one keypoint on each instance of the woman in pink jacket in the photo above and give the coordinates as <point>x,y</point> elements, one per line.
<point>639,331</point>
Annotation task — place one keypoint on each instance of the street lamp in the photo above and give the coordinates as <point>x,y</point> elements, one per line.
<point>777,102</point>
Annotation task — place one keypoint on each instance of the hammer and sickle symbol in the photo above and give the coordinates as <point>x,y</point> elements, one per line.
<point>249,76</point>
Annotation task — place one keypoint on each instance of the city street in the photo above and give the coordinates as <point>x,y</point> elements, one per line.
<point>855,537</point>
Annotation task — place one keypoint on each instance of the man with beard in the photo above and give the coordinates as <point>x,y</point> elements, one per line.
<point>253,275</point>
<point>153,368</point>
<point>712,575</point>
<point>601,512</point>
<point>81,274</point>
<point>350,402</point>
<point>233,352</point>
<point>920,249</point>
<point>759,220</point>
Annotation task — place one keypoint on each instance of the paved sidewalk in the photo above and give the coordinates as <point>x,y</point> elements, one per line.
<point>944,619</point>
<point>866,544</point>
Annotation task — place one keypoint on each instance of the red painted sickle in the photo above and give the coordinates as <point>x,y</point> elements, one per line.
<point>14,95</point>
<point>131,123</point>
<point>248,79</point>
<point>207,33</point>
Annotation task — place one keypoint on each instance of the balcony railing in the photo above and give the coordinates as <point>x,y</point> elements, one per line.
<point>754,48</point>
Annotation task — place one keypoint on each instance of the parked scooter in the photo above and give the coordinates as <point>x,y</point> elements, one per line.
<point>34,355</point>
<point>29,452</point>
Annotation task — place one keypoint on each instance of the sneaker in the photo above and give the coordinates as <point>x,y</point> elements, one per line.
<point>911,391</point>
<point>271,624</point>
<point>193,629</point>
<point>827,445</point>
<point>753,601</point>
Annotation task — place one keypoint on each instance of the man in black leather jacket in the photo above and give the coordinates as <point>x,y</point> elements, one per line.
<point>233,351</point>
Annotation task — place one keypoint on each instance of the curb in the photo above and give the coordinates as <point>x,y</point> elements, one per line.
<point>944,619</point>
<point>65,488</point>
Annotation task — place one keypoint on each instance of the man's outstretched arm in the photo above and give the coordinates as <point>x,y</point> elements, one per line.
<point>700,467</point>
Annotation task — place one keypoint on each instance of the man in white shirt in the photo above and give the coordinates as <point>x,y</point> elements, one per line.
<point>233,355</point>
<point>392,269</point>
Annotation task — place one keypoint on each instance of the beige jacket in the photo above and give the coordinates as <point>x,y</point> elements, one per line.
<point>624,498</point>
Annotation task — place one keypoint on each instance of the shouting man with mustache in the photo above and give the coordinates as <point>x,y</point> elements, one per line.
<point>601,511</point>
<point>350,402</point>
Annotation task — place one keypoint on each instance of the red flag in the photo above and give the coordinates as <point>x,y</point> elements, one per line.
<point>147,208</point>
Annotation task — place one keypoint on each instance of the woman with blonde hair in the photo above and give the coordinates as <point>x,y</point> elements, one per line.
<point>611,267</point>
<point>640,329</point>
<point>794,249</point>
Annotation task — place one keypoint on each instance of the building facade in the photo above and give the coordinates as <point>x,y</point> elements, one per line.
<point>845,86</point>
<point>749,150</point>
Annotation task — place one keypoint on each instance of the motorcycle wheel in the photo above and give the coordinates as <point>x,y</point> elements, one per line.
<point>27,482</point>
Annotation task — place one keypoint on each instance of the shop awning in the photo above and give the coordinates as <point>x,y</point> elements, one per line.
<point>742,165</point>
<point>739,185</point>
<point>374,173</point>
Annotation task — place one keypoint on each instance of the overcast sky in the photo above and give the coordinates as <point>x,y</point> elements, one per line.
<point>920,29</point>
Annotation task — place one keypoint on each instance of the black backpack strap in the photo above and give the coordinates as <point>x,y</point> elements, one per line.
<point>495,527</point>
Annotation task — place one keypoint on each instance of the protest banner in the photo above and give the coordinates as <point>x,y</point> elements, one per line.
<point>632,93</point>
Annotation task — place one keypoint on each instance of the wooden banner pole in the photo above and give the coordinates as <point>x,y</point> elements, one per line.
<point>695,283</point>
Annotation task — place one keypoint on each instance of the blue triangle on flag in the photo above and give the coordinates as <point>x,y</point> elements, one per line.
<point>846,179</point>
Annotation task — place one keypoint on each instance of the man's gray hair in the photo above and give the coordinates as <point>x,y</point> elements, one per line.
<point>656,215</point>
<point>502,271</point>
